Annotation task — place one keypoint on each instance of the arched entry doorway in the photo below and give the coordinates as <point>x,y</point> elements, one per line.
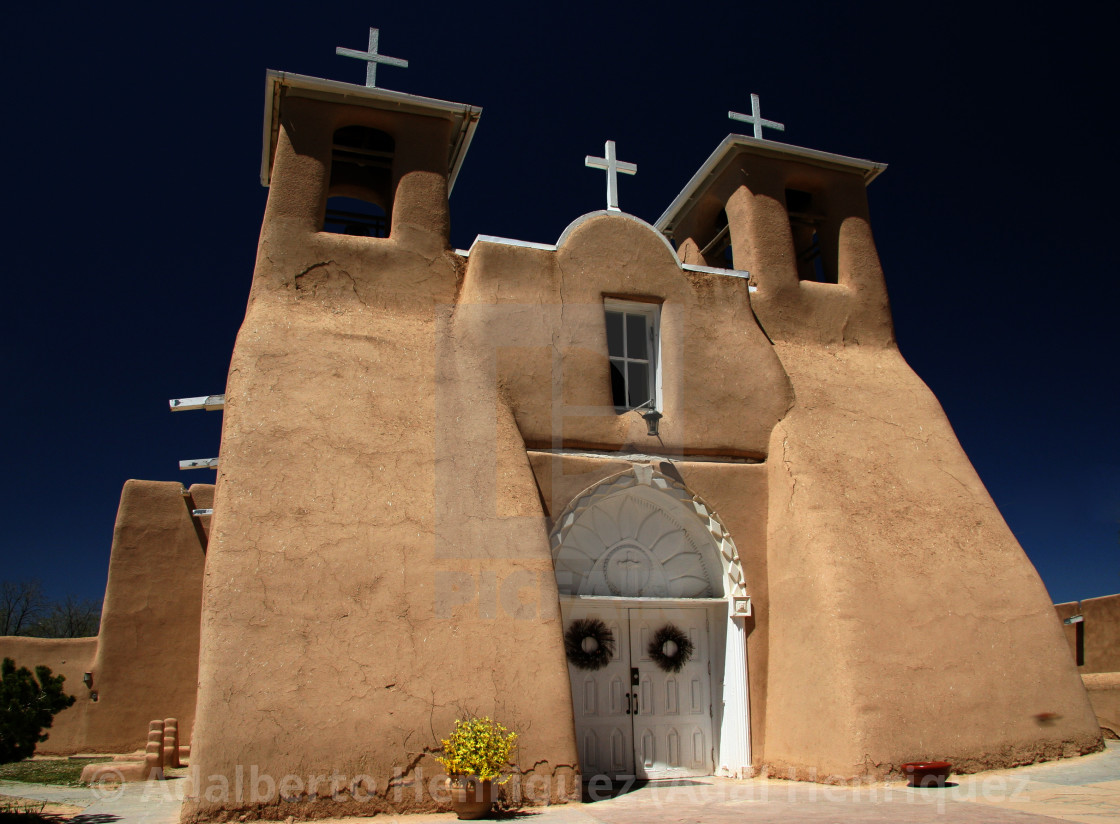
<point>640,561</point>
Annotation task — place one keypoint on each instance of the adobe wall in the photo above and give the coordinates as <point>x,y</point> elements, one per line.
<point>1098,640</point>
<point>343,630</point>
<point>144,660</point>
<point>146,664</point>
<point>534,320</point>
<point>906,622</point>
<point>1104,693</point>
<point>71,658</point>
<point>1100,633</point>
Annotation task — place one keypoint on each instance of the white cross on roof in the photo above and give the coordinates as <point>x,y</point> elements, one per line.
<point>755,119</point>
<point>613,166</point>
<point>372,58</point>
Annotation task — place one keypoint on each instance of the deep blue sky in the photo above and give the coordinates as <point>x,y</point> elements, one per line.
<point>131,150</point>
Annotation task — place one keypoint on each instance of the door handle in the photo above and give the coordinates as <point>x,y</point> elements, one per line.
<point>636,703</point>
<point>627,703</point>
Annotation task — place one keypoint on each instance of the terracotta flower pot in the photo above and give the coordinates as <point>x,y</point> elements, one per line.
<point>471,798</point>
<point>927,773</point>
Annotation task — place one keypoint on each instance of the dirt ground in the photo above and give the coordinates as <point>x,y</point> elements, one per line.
<point>28,810</point>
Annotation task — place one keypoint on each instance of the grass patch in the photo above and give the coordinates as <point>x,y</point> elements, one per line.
<point>60,771</point>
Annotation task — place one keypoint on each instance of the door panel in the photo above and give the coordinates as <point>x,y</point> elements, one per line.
<point>672,743</point>
<point>660,727</point>
<point>601,700</point>
<point>672,696</point>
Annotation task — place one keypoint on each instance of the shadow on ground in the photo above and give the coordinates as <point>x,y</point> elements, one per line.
<point>602,789</point>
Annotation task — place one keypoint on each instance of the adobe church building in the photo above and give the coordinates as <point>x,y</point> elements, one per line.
<point>434,461</point>
<point>664,499</point>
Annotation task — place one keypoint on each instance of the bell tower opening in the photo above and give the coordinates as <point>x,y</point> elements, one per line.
<point>717,252</point>
<point>807,222</point>
<point>359,198</point>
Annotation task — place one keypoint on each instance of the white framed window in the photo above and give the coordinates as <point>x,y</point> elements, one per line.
<point>634,348</point>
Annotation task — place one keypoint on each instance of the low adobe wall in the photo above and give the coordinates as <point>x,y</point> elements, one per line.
<point>1099,633</point>
<point>1094,644</point>
<point>70,658</point>
<point>1104,694</point>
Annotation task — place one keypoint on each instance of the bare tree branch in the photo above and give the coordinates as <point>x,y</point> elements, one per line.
<point>72,618</point>
<point>21,603</point>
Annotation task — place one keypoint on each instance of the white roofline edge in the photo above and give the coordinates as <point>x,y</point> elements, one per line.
<point>869,168</point>
<point>275,80</point>
<point>552,247</point>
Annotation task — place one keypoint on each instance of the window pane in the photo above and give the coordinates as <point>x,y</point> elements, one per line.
<point>639,383</point>
<point>636,337</point>
<point>614,334</point>
<point>618,384</point>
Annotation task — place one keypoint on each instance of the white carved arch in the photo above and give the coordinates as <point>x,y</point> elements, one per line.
<point>642,534</point>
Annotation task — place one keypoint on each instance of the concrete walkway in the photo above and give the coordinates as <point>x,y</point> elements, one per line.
<point>148,802</point>
<point>1084,790</point>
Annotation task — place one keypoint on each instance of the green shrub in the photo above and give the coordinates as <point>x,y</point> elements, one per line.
<point>28,705</point>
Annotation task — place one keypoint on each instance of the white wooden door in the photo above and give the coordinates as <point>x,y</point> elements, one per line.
<point>673,718</point>
<point>601,700</point>
<point>634,719</point>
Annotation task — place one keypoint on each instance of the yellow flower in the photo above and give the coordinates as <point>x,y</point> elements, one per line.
<point>477,746</point>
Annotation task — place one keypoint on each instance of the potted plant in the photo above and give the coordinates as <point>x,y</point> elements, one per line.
<point>474,755</point>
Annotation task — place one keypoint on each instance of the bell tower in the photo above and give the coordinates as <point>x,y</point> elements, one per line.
<point>346,159</point>
<point>797,220</point>
<point>320,567</point>
<point>878,529</point>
